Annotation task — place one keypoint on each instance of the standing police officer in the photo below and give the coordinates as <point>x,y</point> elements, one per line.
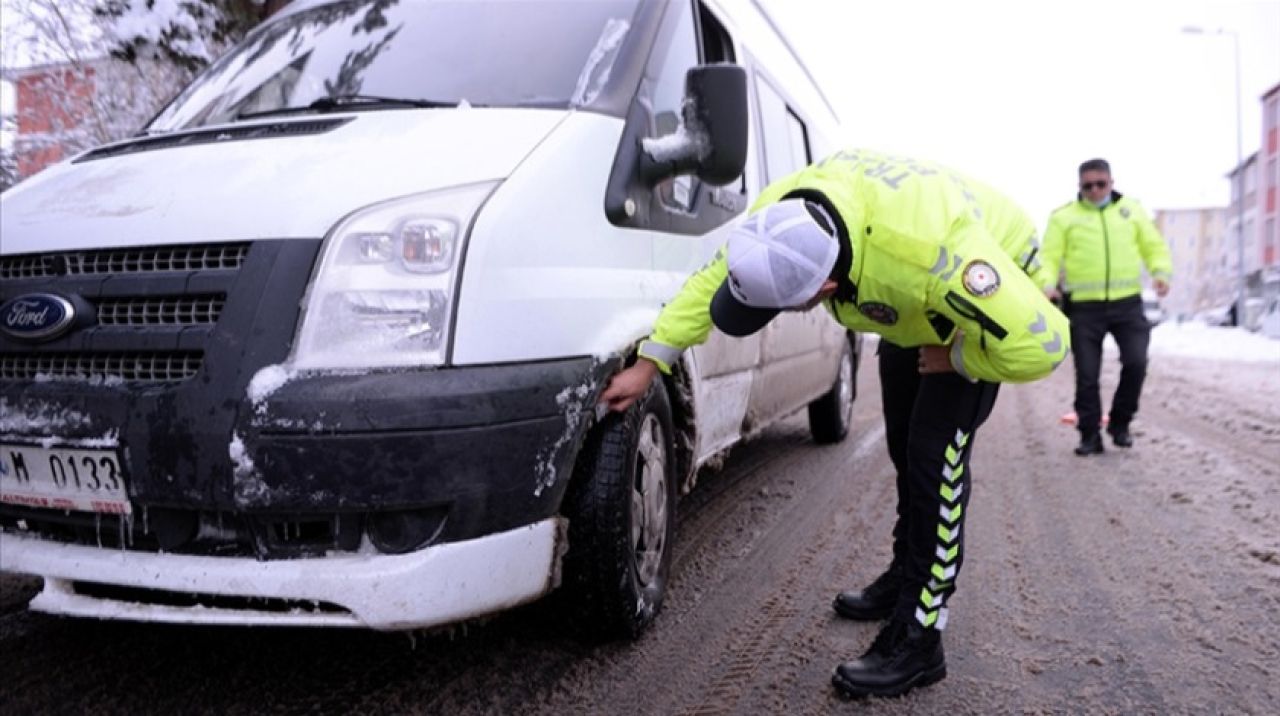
<point>903,248</point>
<point>1100,241</point>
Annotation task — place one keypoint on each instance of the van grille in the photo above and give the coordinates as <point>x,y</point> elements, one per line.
<point>151,367</point>
<point>195,600</point>
<point>167,311</point>
<point>188,531</point>
<point>118,261</point>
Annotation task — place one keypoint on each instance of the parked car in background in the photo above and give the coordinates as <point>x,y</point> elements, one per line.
<point>322,345</point>
<point>1269,324</point>
<point>1217,316</point>
<point>1254,308</point>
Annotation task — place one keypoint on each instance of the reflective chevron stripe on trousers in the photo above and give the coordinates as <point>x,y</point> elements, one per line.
<point>929,425</point>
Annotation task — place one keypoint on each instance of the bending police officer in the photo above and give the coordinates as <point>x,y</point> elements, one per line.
<point>900,381</point>
<point>897,247</point>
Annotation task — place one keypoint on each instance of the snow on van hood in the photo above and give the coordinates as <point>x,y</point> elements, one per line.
<point>286,187</point>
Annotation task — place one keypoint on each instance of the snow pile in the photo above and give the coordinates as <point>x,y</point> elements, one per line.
<point>240,460</point>
<point>1196,340</point>
<point>691,139</point>
<point>600,62</point>
<point>109,439</point>
<point>265,382</point>
<point>35,418</point>
<point>573,401</point>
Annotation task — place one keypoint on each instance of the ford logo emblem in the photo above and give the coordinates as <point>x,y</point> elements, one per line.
<point>36,316</point>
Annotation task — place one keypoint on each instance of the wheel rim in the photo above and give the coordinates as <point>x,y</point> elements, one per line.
<point>845,395</point>
<point>649,500</point>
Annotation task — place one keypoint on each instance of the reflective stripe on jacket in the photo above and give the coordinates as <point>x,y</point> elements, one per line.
<point>1100,252</point>
<point>925,262</point>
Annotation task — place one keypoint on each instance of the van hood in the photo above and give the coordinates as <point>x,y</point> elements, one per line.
<point>292,186</point>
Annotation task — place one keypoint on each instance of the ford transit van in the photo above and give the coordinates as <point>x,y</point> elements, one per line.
<point>322,344</point>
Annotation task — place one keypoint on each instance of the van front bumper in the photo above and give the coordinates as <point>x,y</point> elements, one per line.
<point>307,468</point>
<point>441,584</point>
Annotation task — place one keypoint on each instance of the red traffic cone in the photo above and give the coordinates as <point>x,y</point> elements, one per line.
<point>1070,418</point>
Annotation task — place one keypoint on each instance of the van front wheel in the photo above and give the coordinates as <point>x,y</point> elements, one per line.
<point>621,508</point>
<point>831,414</point>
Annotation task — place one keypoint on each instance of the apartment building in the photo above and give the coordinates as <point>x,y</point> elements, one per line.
<point>1268,208</point>
<point>1203,259</point>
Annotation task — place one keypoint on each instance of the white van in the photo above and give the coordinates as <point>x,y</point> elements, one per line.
<point>322,344</point>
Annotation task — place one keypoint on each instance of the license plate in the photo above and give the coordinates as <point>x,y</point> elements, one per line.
<point>63,478</point>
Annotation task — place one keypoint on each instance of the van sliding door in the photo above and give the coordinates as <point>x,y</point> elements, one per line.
<point>796,363</point>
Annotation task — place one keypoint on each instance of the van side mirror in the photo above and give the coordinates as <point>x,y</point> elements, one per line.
<point>712,140</point>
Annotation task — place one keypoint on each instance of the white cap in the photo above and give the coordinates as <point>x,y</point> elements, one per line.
<point>778,258</point>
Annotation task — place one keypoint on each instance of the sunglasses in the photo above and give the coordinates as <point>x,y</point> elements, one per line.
<point>1091,185</point>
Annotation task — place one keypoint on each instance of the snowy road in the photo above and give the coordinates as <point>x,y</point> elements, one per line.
<point>1141,581</point>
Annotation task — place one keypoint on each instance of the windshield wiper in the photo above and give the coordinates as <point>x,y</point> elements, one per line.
<point>350,102</point>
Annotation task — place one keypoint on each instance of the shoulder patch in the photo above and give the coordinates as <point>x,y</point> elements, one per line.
<point>981,279</point>
<point>879,312</point>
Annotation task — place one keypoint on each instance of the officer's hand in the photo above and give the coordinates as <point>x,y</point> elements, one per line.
<point>935,359</point>
<point>626,386</point>
<point>1052,293</point>
<point>1162,288</point>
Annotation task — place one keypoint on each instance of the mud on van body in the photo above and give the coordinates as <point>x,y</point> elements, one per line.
<point>322,344</point>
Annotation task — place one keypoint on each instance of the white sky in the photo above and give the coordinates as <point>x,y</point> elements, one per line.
<point>1018,93</point>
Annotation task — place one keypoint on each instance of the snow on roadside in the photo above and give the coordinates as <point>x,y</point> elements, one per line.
<point>1197,340</point>
<point>1187,340</point>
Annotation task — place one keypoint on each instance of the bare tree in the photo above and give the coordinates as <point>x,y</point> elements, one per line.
<point>88,72</point>
<point>70,93</point>
<point>8,166</point>
<point>184,33</point>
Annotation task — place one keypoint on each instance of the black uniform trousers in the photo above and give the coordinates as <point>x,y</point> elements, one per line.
<point>929,425</point>
<point>1091,321</point>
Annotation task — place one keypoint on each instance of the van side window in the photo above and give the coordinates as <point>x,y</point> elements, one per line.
<point>668,98</point>
<point>801,152</point>
<point>786,140</point>
<point>683,204</point>
<point>717,46</point>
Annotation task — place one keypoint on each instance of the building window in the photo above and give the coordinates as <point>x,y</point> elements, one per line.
<point>1270,243</point>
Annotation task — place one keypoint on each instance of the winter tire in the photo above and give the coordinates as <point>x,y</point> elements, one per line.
<point>621,509</point>
<point>830,415</point>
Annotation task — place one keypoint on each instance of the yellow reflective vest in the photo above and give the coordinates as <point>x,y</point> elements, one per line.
<point>1100,252</point>
<point>926,267</point>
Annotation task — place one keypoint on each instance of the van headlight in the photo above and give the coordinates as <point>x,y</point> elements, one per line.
<point>383,292</point>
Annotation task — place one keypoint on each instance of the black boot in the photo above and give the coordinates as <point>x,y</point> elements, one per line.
<point>874,602</point>
<point>1120,435</point>
<point>905,655</point>
<point>1090,444</point>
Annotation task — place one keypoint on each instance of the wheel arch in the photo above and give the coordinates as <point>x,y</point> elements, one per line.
<point>684,416</point>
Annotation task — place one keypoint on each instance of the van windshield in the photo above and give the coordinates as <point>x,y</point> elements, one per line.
<point>510,53</point>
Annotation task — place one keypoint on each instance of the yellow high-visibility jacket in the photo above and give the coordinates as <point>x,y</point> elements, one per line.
<point>925,263</point>
<point>1101,251</point>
